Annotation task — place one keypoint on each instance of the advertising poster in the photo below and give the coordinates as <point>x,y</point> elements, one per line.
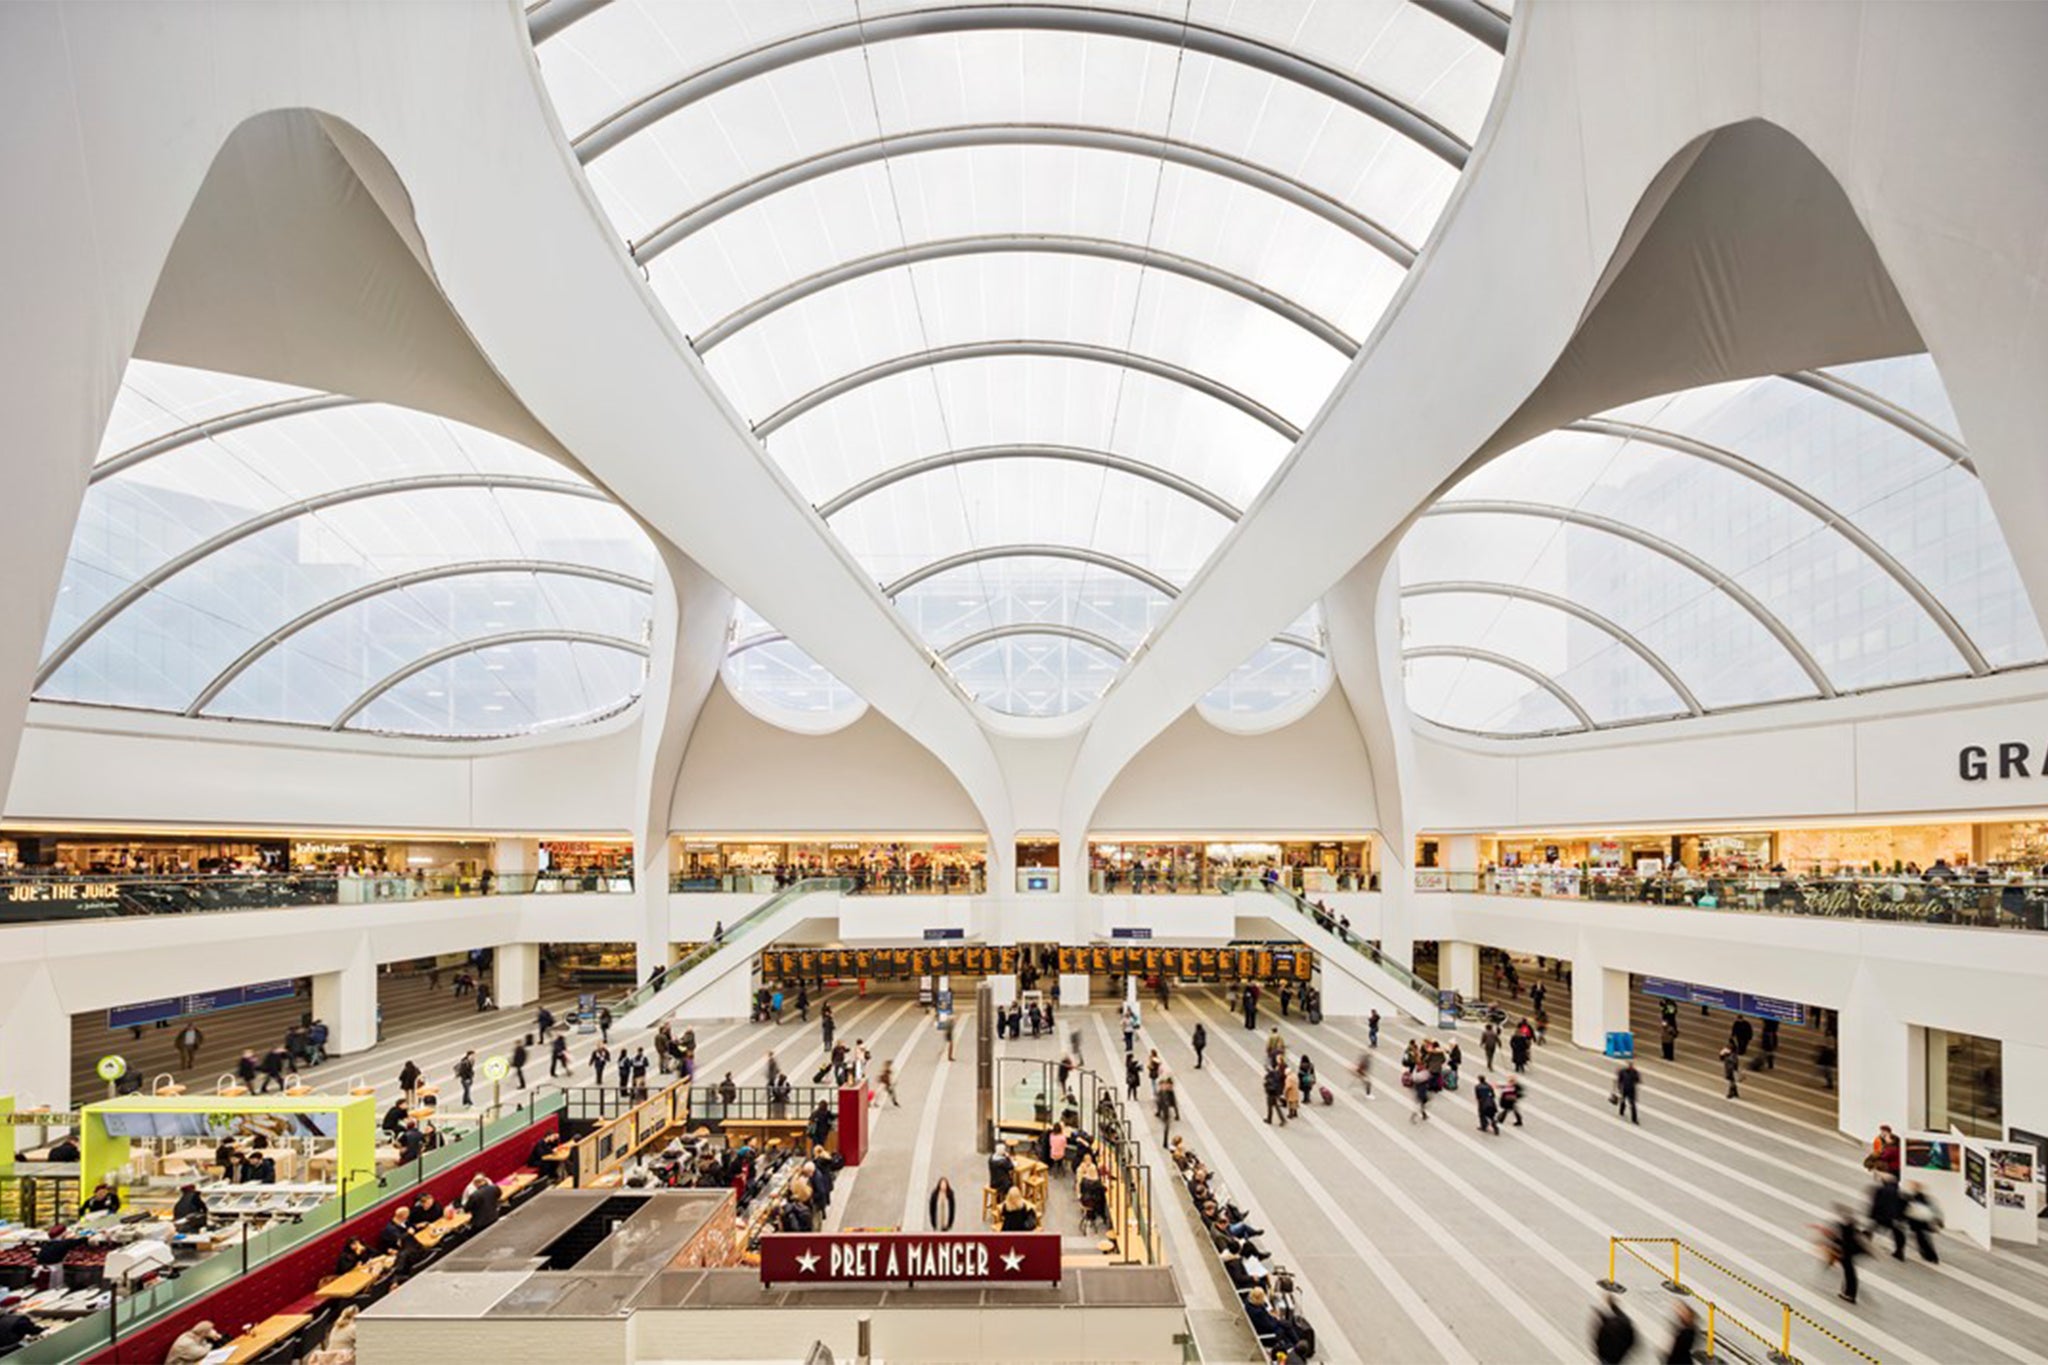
<point>2012,1171</point>
<point>1976,1173</point>
<point>1930,1154</point>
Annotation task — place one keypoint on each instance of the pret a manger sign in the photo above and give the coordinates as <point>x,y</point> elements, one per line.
<point>825,1258</point>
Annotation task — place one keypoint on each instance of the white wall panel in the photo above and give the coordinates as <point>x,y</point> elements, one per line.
<point>1309,776</point>
<point>744,774</point>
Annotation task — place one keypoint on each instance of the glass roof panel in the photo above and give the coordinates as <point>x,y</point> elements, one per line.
<point>1472,694</point>
<point>777,681</point>
<point>951,606</point>
<point>1875,548</point>
<point>778,261</point>
<point>1035,675</point>
<point>1028,400</point>
<point>1278,680</point>
<point>287,578</point>
<point>507,690</point>
<point>1023,502</point>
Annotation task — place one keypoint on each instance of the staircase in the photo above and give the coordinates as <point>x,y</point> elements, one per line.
<point>712,962</point>
<point>1343,951</point>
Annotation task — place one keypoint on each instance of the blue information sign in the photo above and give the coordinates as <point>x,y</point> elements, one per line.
<point>1735,1002</point>
<point>1131,931</point>
<point>206,1002</point>
<point>931,935</point>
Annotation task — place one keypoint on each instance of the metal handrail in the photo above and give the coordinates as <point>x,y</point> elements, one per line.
<point>1405,975</point>
<point>703,953</point>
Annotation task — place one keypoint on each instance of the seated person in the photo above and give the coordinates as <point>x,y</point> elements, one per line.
<point>795,1215</point>
<point>103,1199</point>
<point>542,1149</point>
<point>1244,1274</point>
<point>194,1346</point>
<point>394,1117</point>
<point>411,1142</point>
<point>425,1209</point>
<point>228,1157</point>
<point>189,1214</point>
<point>64,1149</point>
<point>352,1255</point>
<point>482,1202</point>
<point>16,1327</point>
<point>1018,1215</point>
<point>1265,1324</point>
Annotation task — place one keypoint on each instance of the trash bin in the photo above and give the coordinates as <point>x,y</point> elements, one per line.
<point>1621,1045</point>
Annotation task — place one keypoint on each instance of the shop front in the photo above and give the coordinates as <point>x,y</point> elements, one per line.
<point>1195,866</point>
<point>765,864</point>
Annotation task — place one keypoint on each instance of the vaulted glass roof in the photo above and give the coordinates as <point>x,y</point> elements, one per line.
<point>257,552</point>
<point>1030,300</point>
<point>1794,536</point>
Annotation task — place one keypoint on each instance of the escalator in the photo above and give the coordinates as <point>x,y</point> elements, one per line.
<point>711,963</point>
<point>1343,951</point>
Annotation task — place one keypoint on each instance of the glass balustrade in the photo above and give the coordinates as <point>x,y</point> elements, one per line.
<point>131,1311</point>
<point>25,899</point>
<point>2015,903</point>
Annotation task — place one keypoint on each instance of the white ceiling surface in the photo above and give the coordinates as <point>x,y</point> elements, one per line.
<point>1278,372</point>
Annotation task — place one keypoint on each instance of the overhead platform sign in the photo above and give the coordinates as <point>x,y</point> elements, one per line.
<point>1736,1002</point>
<point>913,1258</point>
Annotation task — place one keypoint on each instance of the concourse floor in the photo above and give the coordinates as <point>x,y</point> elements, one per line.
<point>1413,1242</point>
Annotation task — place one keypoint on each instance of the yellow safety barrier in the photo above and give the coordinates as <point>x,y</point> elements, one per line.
<point>1779,1347</point>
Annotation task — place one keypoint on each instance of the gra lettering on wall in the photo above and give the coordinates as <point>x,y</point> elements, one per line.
<point>2013,758</point>
<point>826,1258</point>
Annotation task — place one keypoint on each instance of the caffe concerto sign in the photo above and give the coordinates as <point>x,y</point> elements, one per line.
<point>826,1258</point>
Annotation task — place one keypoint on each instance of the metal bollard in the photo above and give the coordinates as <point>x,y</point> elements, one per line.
<point>864,1340</point>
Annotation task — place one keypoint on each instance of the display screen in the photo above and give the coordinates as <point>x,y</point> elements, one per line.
<point>216,1126</point>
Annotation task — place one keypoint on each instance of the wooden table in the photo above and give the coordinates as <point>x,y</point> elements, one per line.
<point>434,1233</point>
<point>516,1184</point>
<point>264,1335</point>
<point>356,1282</point>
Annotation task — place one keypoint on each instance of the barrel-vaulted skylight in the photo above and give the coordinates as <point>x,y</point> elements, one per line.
<point>1029,300</point>
<point>257,552</point>
<point>1795,536</point>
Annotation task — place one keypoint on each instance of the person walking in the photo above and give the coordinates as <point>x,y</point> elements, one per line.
<point>558,1056</point>
<point>604,1026</point>
<point>1685,1337</point>
<point>188,1041</point>
<point>1846,1240</point>
<point>1888,1212</point>
<point>1489,1106</point>
<point>519,1062</point>
<point>1167,1104</point>
<point>1372,1029</point>
<point>1131,1077</point>
<point>1489,1042</point>
<point>1201,1041</point>
<point>1924,1219</point>
<point>600,1058</point>
<point>1420,1082</point>
<point>1626,1082</point>
<point>1767,1058</point>
<point>1739,1034</point>
<point>1362,1068</point>
<point>465,1075</point>
<point>1518,1047</point>
<point>827,1025</point>
<point>543,1021</point>
<point>803,1011</point>
<point>938,1206</point>
<point>408,1078</point>
<point>1152,1071</point>
<point>1614,1336</point>
<point>1511,1099</point>
<point>1731,1067</point>
<point>1276,1092</point>
<point>1251,1008</point>
<point>1668,1039</point>
<point>1290,1090</point>
<point>886,1079</point>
